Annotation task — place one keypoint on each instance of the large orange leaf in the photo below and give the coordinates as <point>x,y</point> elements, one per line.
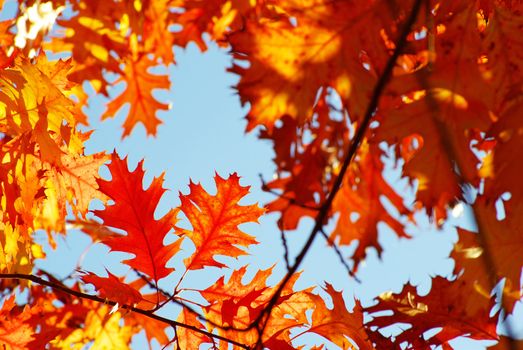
<point>215,220</point>
<point>313,44</point>
<point>133,212</point>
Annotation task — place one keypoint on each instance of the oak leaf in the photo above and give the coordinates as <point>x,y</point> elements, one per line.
<point>139,95</point>
<point>499,239</point>
<point>215,219</point>
<point>313,44</point>
<point>113,288</point>
<point>338,324</point>
<point>447,306</point>
<point>189,339</point>
<point>133,212</point>
<point>361,195</point>
<point>15,332</point>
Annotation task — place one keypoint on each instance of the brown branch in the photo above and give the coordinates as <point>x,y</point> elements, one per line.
<point>353,147</point>
<point>146,313</point>
<point>285,245</point>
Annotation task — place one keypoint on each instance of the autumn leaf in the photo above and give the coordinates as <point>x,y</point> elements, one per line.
<point>338,323</point>
<point>215,17</point>
<point>6,41</point>
<point>227,299</point>
<point>447,306</point>
<point>138,94</point>
<point>113,288</point>
<point>189,339</point>
<point>312,44</point>
<point>33,103</point>
<point>153,329</point>
<point>102,331</point>
<point>215,219</point>
<point>97,25</point>
<point>133,212</point>
<point>305,167</point>
<point>361,196</point>
<point>77,178</point>
<point>498,239</point>
<point>157,35</point>
<point>15,332</point>
<point>238,304</point>
<point>443,141</point>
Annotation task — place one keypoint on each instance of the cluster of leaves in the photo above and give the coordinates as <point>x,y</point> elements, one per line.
<point>435,78</point>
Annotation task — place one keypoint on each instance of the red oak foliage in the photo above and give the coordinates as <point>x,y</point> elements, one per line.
<point>344,90</point>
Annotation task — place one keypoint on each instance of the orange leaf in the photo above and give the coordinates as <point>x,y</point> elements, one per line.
<point>361,195</point>
<point>337,324</point>
<point>189,339</point>
<point>138,93</point>
<point>215,221</point>
<point>133,211</point>
<point>15,332</point>
<point>448,305</point>
<point>226,299</point>
<point>312,44</point>
<point>500,238</point>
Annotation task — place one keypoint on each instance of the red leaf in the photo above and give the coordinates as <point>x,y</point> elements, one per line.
<point>112,288</point>
<point>133,212</point>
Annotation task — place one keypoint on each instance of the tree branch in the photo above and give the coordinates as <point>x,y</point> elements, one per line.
<point>353,147</point>
<point>146,313</point>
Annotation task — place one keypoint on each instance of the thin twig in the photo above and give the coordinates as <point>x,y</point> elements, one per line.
<point>340,255</point>
<point>353,147</point>
<point>146,313</point>
<point>285,246</point>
